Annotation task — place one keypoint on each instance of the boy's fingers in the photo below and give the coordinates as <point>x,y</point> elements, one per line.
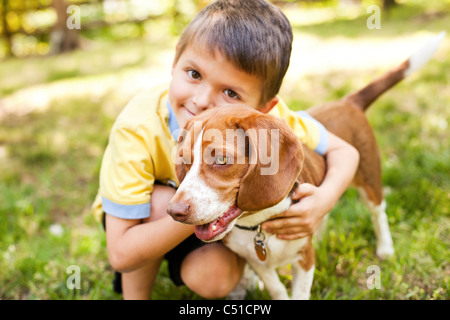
<point>278,218</point>
<point>285,225</point>
<point>293,236</point>
<point>291,232</point>
<point>303,190</point>
<point>298,209</point>
<point>273,225</point>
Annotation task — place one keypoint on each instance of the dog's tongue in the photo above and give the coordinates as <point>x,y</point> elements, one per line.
<point>208,231</point>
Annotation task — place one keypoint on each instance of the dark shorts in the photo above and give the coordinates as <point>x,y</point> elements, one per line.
<point>174,259</point>
<point>176,256</point>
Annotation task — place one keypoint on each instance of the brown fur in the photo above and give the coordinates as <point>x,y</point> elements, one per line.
<point>346,119</point>
<point>307,253</point>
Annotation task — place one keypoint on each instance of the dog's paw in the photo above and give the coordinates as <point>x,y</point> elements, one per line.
<point>385,252</point>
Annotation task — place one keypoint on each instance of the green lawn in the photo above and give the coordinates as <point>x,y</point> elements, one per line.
<point>50,160</point>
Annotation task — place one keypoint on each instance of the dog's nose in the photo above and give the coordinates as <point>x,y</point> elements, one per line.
<point>178,211</point>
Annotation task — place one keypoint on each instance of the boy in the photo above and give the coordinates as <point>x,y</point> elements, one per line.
<point>232,52</point>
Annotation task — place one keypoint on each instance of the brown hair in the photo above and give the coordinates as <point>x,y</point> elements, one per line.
<point>253,35</point>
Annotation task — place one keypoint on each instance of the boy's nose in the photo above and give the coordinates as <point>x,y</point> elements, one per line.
<point>203,99</point>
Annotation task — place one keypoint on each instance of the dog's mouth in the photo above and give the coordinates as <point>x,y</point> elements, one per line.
<point>208,231</point>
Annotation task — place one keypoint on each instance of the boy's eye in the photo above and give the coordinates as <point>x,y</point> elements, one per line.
<point>231,94</point>
<point>194,74</point>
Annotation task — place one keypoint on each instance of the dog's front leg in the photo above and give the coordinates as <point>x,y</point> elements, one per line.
<point>271,281</point>
<point>301,281</point>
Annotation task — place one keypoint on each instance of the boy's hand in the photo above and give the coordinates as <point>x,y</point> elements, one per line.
<point>302,218</point>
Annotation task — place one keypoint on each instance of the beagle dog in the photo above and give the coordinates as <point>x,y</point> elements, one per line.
<point>238,167</point>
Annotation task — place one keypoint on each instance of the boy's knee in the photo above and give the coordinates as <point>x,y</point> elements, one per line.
<point>210,273</point>
<point>211,286</point>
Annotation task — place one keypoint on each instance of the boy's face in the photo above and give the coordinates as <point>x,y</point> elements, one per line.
<point>201,81</point>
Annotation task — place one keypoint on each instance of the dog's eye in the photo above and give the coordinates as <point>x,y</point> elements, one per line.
<point>221,160</point>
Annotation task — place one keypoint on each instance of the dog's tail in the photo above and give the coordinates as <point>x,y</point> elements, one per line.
<point>363,98</point>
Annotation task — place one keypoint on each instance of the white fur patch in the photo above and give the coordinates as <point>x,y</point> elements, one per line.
<point>263,215</point>
<point>301,282</point>
<point>421,57</point>
<point>385,245</point>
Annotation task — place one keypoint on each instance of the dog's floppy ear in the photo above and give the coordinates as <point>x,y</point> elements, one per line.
<point>276,160</point>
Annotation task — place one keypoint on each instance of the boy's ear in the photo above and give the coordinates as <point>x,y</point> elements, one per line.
<point>265,108</point>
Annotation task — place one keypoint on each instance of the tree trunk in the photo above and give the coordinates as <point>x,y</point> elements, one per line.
<point>388,4</point>
<point>5,28</point>
<point>62,39</point>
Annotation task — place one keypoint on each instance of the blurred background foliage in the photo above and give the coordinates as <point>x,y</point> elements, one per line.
<point>33,27</point>
<point>38,27</point>
<point>61,90</point>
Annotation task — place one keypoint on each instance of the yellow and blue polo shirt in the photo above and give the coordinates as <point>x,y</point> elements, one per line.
<point>140,147</point>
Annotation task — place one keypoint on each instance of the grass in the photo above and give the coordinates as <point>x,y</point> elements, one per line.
<point>50,160</point>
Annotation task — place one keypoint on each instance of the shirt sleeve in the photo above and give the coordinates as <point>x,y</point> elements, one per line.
<point>126,175</point>
<point>310,131</point>
<point>321,140</point>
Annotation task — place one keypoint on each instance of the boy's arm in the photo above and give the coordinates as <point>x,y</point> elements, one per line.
<point>131,244</point>
<point>304,217</point>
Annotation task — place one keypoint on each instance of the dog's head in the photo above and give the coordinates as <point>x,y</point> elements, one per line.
<point>232,159</point>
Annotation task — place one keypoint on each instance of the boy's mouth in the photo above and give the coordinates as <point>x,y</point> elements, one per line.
<point>189,112</point>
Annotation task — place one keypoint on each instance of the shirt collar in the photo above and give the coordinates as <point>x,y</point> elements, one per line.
<point>173,122</point>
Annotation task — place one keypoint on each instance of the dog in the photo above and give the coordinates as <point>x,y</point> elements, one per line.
<point>226,195</point>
